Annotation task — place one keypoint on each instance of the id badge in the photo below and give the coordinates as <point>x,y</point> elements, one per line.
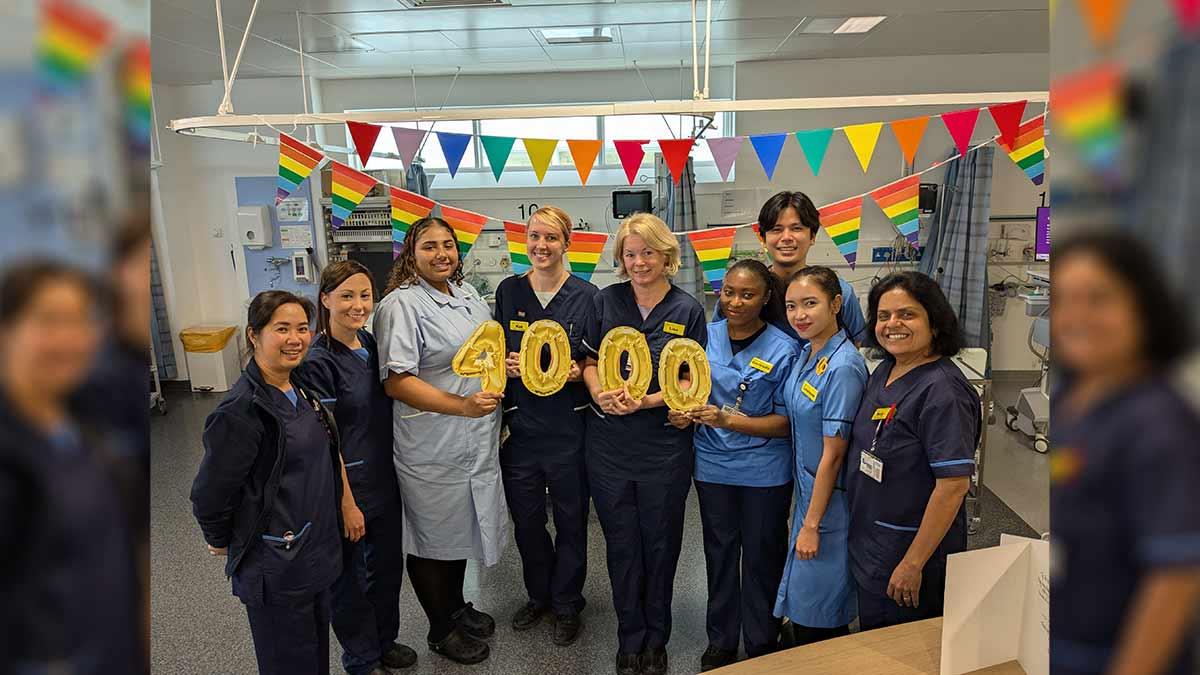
<point>871,465</point>
<point>732,410</point>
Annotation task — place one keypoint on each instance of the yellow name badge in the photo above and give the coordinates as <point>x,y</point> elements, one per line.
<point>880,414</point>
<point>518,325</point>
<point>809,391</point>
<point>758,364</point>
<point>673,328</point>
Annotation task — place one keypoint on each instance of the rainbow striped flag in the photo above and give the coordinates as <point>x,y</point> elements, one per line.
<point>584,252</point>
<point>517,251</point>
<point>842,221</point>
<point>136,80</point>
<point>70,43</point>
<point>296,162</point>
<point>713,248</point>
<point>349,189</point>
<point>467,226</point>
<point>1029,151</point>
<point>1088,110</point>
<point>899,202</point>
<point>407,208</point>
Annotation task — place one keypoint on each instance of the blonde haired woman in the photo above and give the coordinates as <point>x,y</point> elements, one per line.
<point>543,450</point>
<point>639,466</point>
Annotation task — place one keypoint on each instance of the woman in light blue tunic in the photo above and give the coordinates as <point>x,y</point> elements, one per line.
<point>446,436</point>
<point>822,396</point>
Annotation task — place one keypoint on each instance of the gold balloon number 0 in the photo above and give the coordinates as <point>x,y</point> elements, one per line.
<point>540,334</point>
<point>623,339</point>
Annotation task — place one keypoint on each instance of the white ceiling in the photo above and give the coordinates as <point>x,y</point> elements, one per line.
<point>376,38</point>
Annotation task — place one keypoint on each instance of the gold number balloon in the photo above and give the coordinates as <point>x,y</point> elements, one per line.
<point>622,340</point>
<point>549,381</point>
<point>678,352</point>
<point>482,356</point>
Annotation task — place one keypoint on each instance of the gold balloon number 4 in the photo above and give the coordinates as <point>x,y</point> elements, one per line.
<point>482,356</point>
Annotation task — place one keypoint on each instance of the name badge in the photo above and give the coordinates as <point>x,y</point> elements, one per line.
<point>673,328</point>
<point>758,364</point>
<point>822,365</point>
<point>881,414</point>
<point>732,410</point>
<point>518,325</point>
<point>809,391</point>
<point>872,466</point>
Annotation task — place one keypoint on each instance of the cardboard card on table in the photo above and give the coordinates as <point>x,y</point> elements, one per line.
<point>997,608</point>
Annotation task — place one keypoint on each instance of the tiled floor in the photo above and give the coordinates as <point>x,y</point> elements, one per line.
<point>199,627</point>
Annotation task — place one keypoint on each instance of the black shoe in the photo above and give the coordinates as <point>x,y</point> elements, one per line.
<point>654,661</point>
<point>398,656</point>
<point>379,670</point>
<point>628,664</point>
<point>461,648</point>
<point>474,622</point>
<point>715,657</point>
<point>528,616</point>
<point>566,628</point>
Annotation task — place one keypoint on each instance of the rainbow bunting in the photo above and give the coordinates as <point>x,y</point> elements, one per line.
<point>899,202</point>
<point>407,208</point>
<point>70,43</point>
<point>467,226</point>
<point>1087,109</point>
<point>136,80</point>
<point>349,189</point>
<point>1029,152</point>
<point>584,252</point>
<point>713,248</point>
<point>517,251</point>
<point>296,162</point>
<point>842,221</point>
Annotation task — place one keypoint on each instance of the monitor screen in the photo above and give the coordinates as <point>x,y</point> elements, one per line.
<point>1041,247</point>
<point>380,264</point>
<point>628,202</point>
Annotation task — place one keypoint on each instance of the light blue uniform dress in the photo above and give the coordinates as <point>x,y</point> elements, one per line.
<point>448,466</point>
<point>822,396</point>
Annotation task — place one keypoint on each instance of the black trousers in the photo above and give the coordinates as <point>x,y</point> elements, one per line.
<point>292,639</point>
<point>366,598</point>
<point>438,585</point>
<point>745,548</point>
<point>554,571</point>
<point>879,611</point>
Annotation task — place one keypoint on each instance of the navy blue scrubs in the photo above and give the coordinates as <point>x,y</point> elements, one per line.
<point>932,434</point>
<point>1123,506</point>
<point>544,449</point>
<point>639,468</point>
<point>366,597</point>
<point>850,317</point>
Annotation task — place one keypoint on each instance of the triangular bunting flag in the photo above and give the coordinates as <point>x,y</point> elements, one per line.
<point>467,226</point>
<point>71,41</point>
<point>583,253</point>
<point>349,188</point>
<point>675,154</point>
<point>517,252</point>
<point>135,78</point>
<point>497,149</point>
<point>584,153</point>
<point>453,147</point>
<point>724,150</point>
<point>1029,151</point>
<point>541,151</point>
<point>1188,12</point>
<point>1087,109</point>
<point>900,203</point>
<point>631,154</point>
<point>364,136</point>
<point>1007,117</point>
<point>1104,19</point>
<point>407,208</point>
<point>296,162</point>
<point>961,124</point>
<point>713,248</point>
<point>842,221</point>
<point>768,147</point>
<point>408,142</point>
<point>863,138</point>
<point>814,143</point>
<point>908,134</point>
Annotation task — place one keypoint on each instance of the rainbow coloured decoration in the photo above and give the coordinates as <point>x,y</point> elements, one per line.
<point>1087,109</point>
<point>1029,151</point>
<point>466,224</point>
<point>349,189</point>
<point>407,208</point>
<point>70,43</point>
<point>713,247</point>
<point>518,253</point>
<point>842,221</point>
<point>136,80</point>
<point>583,253</point>
<point>296,162</point>
<point>899,202</point>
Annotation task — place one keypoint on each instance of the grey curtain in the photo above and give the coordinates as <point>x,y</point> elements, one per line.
<point>956,253</point>
<point>679,213</point>
<point>164,351</point>
<point>416,180</point>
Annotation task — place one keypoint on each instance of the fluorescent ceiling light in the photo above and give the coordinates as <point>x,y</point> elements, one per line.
<point>859,24</point>
<point>577,35</point>
<point>841,25</point>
